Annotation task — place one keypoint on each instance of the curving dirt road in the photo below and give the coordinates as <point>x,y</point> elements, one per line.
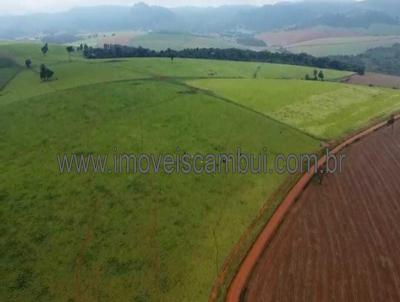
<point>341,240</point>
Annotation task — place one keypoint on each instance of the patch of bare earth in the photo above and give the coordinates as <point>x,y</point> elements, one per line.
<point>341,240</point>
<point>375,79</point>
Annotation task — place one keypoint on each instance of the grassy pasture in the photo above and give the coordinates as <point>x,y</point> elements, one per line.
<point>325,110</point>
<point>21,51</point>
<point>83,72</point>
<point>187,68</point>
<point>281,71</point>
<point>125,237</point>
<point>153,237</point>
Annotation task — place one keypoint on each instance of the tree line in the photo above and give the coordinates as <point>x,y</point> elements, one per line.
<point>232,54</point>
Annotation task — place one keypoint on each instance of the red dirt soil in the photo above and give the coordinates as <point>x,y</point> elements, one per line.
<point>341,240</point>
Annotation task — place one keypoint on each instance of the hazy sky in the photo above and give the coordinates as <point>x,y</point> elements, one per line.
<point>28,6</point>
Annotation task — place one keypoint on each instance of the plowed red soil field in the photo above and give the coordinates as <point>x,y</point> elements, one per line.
<point>341,240</point>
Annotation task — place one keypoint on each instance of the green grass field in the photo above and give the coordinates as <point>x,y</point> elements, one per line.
<point>324,110</point>
<point>148,234</point>
<point>155,237</point>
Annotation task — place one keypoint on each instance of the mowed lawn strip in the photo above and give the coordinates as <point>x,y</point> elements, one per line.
<point>126,237</point>
<point>322,109</point>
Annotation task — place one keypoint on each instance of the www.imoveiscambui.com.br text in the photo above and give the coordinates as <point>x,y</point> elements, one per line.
<point>238,162</point>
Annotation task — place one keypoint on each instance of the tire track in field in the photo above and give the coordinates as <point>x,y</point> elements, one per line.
<point>255,75</point>
<point>79,261</point>
<point>341,240</point>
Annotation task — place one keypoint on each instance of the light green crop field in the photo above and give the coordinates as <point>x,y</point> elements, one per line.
<point>324,110</point>
<point>281,71</point>
<point>343,45</point>
<point>154,237</point>
<point>125,237</point>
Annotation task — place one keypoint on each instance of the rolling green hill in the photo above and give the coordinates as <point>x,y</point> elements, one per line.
<point>154,237</point>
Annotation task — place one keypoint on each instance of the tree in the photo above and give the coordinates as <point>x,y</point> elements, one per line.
<point>45,73</point>
<point>45,49</point>
<point>28,63</point>
<point>70,49</point>
<point>85,49</point>
<point>315,74</point>
<point>321,75</point>
<point>308,78</point>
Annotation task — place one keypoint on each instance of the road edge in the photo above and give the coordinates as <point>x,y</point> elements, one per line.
<point>238,284</point>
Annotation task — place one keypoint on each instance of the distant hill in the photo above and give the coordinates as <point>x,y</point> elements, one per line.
<point>391,7</point>
<point>204,20</point>
<point>381,59</point>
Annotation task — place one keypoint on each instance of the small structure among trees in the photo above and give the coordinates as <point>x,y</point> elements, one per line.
<point>45,73</point>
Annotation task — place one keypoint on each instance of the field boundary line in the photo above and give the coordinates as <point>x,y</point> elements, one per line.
<point>221,98</point>
<point>17,72</point>
<point>148,77</point>
<point>237,286</point>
